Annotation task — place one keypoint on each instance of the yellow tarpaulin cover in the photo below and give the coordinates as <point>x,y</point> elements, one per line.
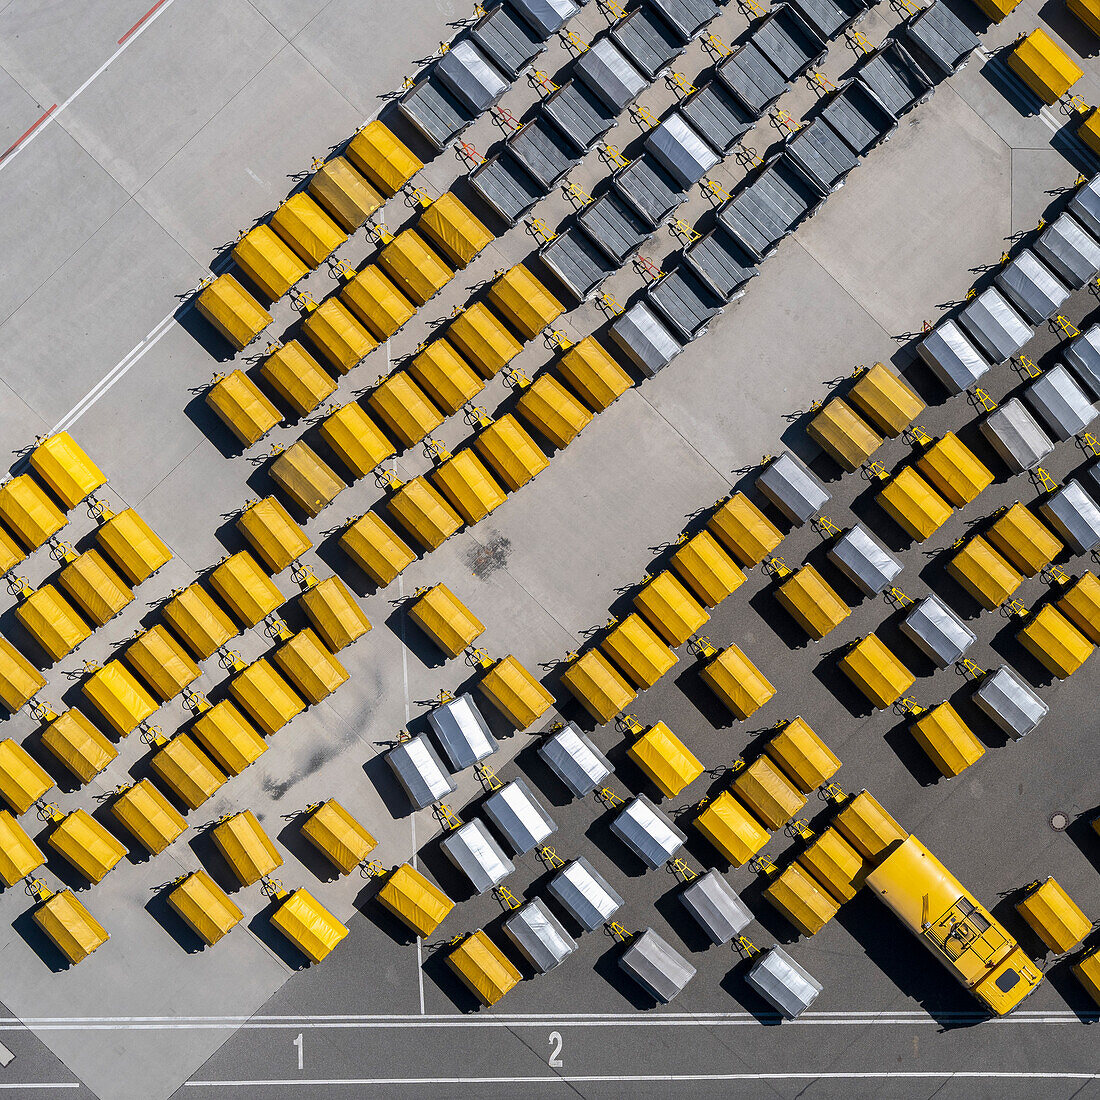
<point>954,471</point>
<point>307,229</point>
<point>881,677</point>
<point>416,270</point>
<point>744,530</point>
<point>308,925</point>
<point>798,897</point>
<point>334,331</point>
<point>76,742</point>
<point>552,410</point>
<point>347,198</point>
<point>767,793</point>
<point>913,504</point>
<point>707,570</point>
<point>1081,605</point>
<point>334,613</point>
<point>1023,540</point>
<point>233,312</point>
<point>886,400</point>
<point>383,158</point>
<point>131,544</point>
<point>451,226</point>
<point>515,692</point>
<point>404,409</point>
<point>245,588</point>
<point>984,574</point>
<point>670,609</point>
<point>146,813</point>
<point>424,513</point>
<point>95,587</point>
<point>355,439</point>
<point>228,737</point>
<point>732,829</point>
<point>1088,11</point>
<point>1043,66</point>
<point>23,781</point>
<point>376,549</point>
<point>737,682</point>
<point>592,680</point>
<point>271,531</point>
<point>483,968</point>
<point>19,679</point>
<point>1055,642</point>
<point>66,469</point>
<point>1054,916</point>
<point>242,407</point>
<point>70,926</point>
<point>374,299</point>
<point>271,265</point>
<point>868,827</point>
<point>996,10</point>
<point>297,377</point>
<point>162,662</point>
<point>802,756</point>
<point>205,907</point>
<point>834,864</point>
<point>468,486</point>
<point>309,666</point>
<point>482,338</point>
<point>665,760</point>
<point>198,621</point>
<point>86,844</point>
<point>843,434</point>
<point>521,300</point>
<point>594,375</point>
<point>332,830</point>
<point>117,695</point>
<point>639,652</point>
<point>310,483</point>
<point>446,619</point>
<point>410,897</point>
<point>19,855</point>
<point>812,602</point>
<point>947,740</point>
<point>187,771</point>
<point>29,512</point>
<point>248,850</point>
<point>265,696</point>
<point>445,376</point>
<point>11,553</point>
<point>52,622</point>
<point>1087,966</point>
<point>1088,130</point>
<point>511,453</point>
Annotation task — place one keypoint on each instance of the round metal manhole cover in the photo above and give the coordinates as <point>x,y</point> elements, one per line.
<point>1059,821</point>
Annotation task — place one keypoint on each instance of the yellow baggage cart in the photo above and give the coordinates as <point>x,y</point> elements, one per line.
<point>11,554</point>
<point>996,10</point>
<point>343,193</point>
<point>1055,642</point>
<point>205,907</point>
<point>1024,541</point>
<point>812,602</point>
<point>297,377</point>
<point>482,338</point>
<point>309,482</point>
<point>706,569</point>
<point>445,619</point>
<point>523,302</point>
<point>375,548</point>
<point>265,696</point>
<point>886,400</point>
<point>665,760</point>
<point>416,902</point>
<point>23,781</point>
<point>454,231</point>
<point>515,692</point>
<point>162,662</point>
<point>878,674</point>
<point>80,840</point>
<point>737,682</point>
<point>404,409</point>
<point>913,504</point>
<point>984,574</point>
<point>767,793</point>
<point>592,680</point>
<point>269,263</point>
<point>242,407</point>
<point>1054,916</point>
<point>594,375</point>
<point>355,439</point>
<point>947,740</point>
<point>149,816</point>
<point>336,333</point>
<point>232,311</point>
<point>954,471</point>
<point>308,665</point>
<point>423,513</point>
<point>75,742</point>
<point>414,267</point>
<point>731,829</point>
<point>272,533</point>
<point>332,830</point>
<point>372,296</point>
<point>186,770</point>
<point>670,609</point>
<point>19,855</point>
<point>445,376</point>
<point>383,158</point>
<point>20,681</point>
<point>308,230</point>
<point>843,434</point>
<point>28,511</point>
<point>1087,11</point>
<point>553,411</point>
<point>834,865</point>
<point>510,452</point>
<point>638,651</point>
<point>483,968</point>
<point>198,621</point>
<point>228,737</point>
<point>52,622</point>
<point>802,756</point>
<point>1081,605</point>
<point>334,614</point>
<point>799,898</point>
<point>1087,966</point>
<point>308,925</point>
<point>249,851</point>
<point>66,469</point>
<point>132,546</point>
<point>468,486</point>
<point>72,929</point>
<point>868,827</point>
<point>245,588</point>
<point>95,587</point>
<point>744,530</point>
<point>116,693</point>
<point>1043,66</point>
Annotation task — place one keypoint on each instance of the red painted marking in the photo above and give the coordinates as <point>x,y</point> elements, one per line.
<point>158,4</point>
<point>23,137</point>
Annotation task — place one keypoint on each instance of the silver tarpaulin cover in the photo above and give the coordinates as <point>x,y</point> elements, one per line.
<point>584,893</point>
<point>791,487</point>
<point>1059,403</point>
<point>656,966</point>
<point>951,357</point>
<point>864,561</point>
<point>648,832</point>
<point>477,855</point>
<point>606,70</point>
<point>1031,287</point>
<point>937,631</point>
<point>1069,250</point>
<point>471,77</point>
<point>1083,355</point>
<point>784,984</point>
<point>1074,516</point>
<point>995,326</point>
<point>462,731</point>
<point>547,17</point>
<point>644,339</point>
<point>1085,205</point>
<point>1009,702</point>
<point>420,771</point>
<point>1016,436</point>
<point>682,152</point>
<point>573,758</point>
<point>539,936</point>
<point>519,816</point>
<point>716,907</point>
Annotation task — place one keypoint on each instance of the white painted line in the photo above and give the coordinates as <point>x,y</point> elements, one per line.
<point>44,1085</point>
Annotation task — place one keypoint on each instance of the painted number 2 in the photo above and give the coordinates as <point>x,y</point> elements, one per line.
<point>554,1060</point>
<point>301,1046</point>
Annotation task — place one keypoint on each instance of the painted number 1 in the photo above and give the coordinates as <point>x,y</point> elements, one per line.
<point>554,1060</point>
<point>299,1044</point>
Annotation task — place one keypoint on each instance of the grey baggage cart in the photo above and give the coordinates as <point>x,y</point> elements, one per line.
<point>471,77</point>
<point>938,632</point>
<point>578,263</point>
<point>477,855</point>
<point>951,357</point>
<point>575,760</point>
<point>506,186</point>
<point>545,17</point>
<point>420,772</point>
<point>648,40</point>
<point>718,115</point>
<point>1005,699</point>
<point>584,894</point>
<point>614,226</point>
<point>829,18</point>
<point>436,113</point>
<point>1069,250</point>
<point>682,153</point>
<point>686,17</point>
<point>721,263</point>
<point>648,832</point>
<point>1016,436</point>
<point>1083,355</point>
<point>539,936</point>
<point>995,326</point>
<point>1075,517</point>
<point>644,339</point>
<point>656,966</point>
<point>652,192</point>
<point>462,731</point>
<point>786,986</point>
<point>751,77</point>
<point>519,816</point>
<point>580,114</point>
<point>822,154</point>
<point>941,37</point>
<point>1031,287</point>
<point>858,117</point>
<point>791,488</point>
<point>788,42</point>
<point>715,907</point>
<point>1085,205</point>
<point>543,151</point>
<point>864,561</point>
<point>1060,404</point>
<point>506,40</point>
<point>685,301</point>
<point>610,74</point>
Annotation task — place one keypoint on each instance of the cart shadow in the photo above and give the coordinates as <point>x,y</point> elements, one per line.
<point>412,637</point>
<point>266,932</point>
<point>32,935</point>
<point>172,923</point>
<point>307,854</point>
<point>381,776</point>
